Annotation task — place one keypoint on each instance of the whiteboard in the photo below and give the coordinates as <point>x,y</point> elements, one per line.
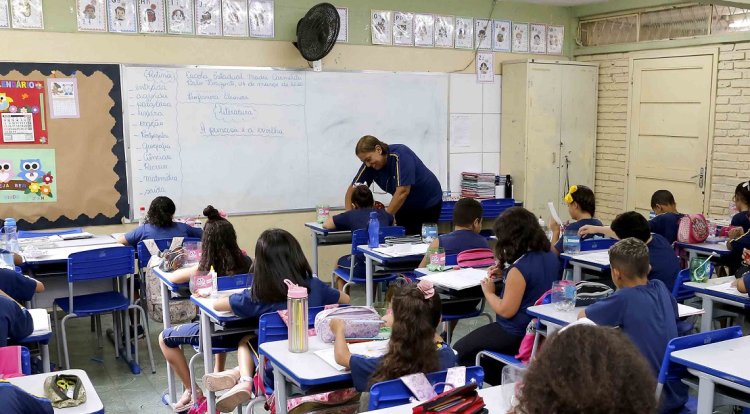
<point>261,140</point>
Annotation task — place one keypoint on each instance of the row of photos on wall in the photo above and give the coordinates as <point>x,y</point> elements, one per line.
<point>428,30</point>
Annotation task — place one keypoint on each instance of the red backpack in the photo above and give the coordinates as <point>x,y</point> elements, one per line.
<point>693,228</point>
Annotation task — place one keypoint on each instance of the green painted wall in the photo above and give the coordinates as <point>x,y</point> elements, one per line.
<point>59,15</point>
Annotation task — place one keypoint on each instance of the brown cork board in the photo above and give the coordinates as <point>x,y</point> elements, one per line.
<point>89,151</point>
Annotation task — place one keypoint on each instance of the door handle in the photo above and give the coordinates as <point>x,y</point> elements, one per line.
<point>554,157</point>
<point>701,177</point>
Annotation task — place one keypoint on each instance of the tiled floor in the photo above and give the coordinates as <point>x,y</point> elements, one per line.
<point>123,392</point>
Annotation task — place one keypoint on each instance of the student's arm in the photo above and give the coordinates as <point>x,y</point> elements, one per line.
<point>17,259</point>
<point>121,239</point>
<point>399,197</point>
<point>426,259</point>
<point>182,275</point>
<point>589,229</point>
<point>222,304</point>
<point>340,349</point>
<point>508,306</point>
<point>329,224</point>
<point>555,227</point>
<point>39,286</point>
<point>741,285</point>
<point>739,243</point>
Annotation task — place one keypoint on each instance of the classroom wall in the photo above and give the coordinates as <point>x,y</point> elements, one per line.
<point>61,43</point>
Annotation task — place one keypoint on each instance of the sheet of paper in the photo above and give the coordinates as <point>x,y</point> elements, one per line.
<point>401,250</point>
<point>41,320</point>
<point>727,288</point>
<point>597,257</point>
<point>372,349</point>
<point>685,310</point>
<point>457,279</point>
<point>460,130</point>
<point>553,212</point>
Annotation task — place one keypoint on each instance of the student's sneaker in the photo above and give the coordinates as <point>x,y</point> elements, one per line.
<point>220,381</point>
<point>238,395</point>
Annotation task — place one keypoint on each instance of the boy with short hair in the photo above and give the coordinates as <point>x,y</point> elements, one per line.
<point>467,222</point>
<point>667,220</point>
<point>644,309</point>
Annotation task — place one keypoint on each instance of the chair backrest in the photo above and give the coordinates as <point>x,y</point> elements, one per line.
<point>163,244</point>
<point>494,207</point>
<point>679,292</point>
<point>230,282</point>
<point>105,263</point>
<point>24,234</point>
<point>669,372</point>
<point>392,393</point>
<point>360,237</point>
<point>272,328</point>
<point>597,244</point>
<point>446,211</point>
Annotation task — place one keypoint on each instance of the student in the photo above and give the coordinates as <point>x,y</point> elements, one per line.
<point>159,224</point>
<point>664,262</point>
<point>742,202</point>
<point>17,401</point>
<point>278,256</point>
<point>602,362</point>
<point>523,246</point>
<point>467,222</point>
<point>414,346</point>
<point>15,320</point>
<point>355,219</point>
<point>19,287</point>
<point>743,283</point>
<point>643,309</point>
<point>220,250</point>
<point>581,207</point>
<point>667,220</point>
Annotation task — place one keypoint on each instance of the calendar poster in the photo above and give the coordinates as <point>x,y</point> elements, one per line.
<point>22,112</point>
<point>27,176</point>
<point>63,98</point>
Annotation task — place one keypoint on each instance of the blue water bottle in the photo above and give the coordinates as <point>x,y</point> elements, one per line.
<point>373,231</point>
<point>11,234</point>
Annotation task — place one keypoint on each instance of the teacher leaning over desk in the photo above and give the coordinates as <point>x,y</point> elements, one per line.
<point>417,196</point>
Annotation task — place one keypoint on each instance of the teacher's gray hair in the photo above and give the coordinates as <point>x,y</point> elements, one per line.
<point>368,143</point>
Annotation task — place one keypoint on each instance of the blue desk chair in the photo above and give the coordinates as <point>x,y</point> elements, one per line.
<point>25,234</point>
<point>359,237</point>
<point>106,263</point>
<point>679,292</point>
<point>496,206</point>
<point>393,393</point>
<point>446,211</point>
<point>671,371</point>
<point>452,260</point>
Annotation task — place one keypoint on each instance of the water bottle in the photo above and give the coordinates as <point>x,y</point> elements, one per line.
<point>296,305</point>
<point>142,216</point>
<point>373,231</point>
<point>508,186</point>
<point>214,283</point>
<point>11,235</point>
<point>545,229</point>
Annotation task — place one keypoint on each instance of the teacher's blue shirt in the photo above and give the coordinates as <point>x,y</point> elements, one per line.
<point>403,168</point>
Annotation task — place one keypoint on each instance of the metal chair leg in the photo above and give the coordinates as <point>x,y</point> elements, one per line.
<point>116,325</point>
<point>98,320</point>
<point>65,341</point>
<point>148,338</point>
<point>57,334</point>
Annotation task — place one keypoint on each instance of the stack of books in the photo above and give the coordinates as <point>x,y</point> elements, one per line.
<point>478,185</point>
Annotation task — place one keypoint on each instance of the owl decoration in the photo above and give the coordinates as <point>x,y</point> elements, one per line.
<point>6,171</point>
<point>31,170</point>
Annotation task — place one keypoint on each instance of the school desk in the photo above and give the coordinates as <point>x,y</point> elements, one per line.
<point>704,249</point>
<point>723,363</point>
<point>304,370</point>
<point>34,384</point>
<point>325,237</point>
<point>395,263</point>
<point>716,290</point>
<point>597,260</point>
<point>497,400</point>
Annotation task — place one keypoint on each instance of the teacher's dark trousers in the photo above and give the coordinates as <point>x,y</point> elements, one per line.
<point>412,219</point>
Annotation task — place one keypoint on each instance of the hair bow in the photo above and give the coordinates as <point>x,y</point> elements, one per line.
<point>426,288</point>
<point>569,197</point>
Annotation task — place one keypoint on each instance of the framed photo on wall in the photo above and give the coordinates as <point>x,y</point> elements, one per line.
<point>501,35</point>
<point>381,27</point>
<point>464,33</point>
<point>260,15</point>
<point>26,14</point>
<point>92,15</point>
<point>520,37</point>
<point>538,38</point>
<point>482,34</point>
<point>151,16</point>
<point>180,17</point>
<point>555,38</point>
<point>234,18</point>
<point>344,29</point>
<point>122,16</point>
<point>444,31</point>
<point>403,28</point>
<point>424,30</point>
<point>208,17</point>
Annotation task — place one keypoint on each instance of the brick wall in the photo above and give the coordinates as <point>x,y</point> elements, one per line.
<point>730,154</point>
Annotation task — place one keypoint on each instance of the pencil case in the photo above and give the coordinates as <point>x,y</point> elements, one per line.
<point>359,321</point>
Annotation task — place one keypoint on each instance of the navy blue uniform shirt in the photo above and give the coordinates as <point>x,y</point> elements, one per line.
<point>666,225</point>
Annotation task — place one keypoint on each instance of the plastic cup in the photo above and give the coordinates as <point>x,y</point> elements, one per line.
<point>323,212</point>
<point>437,259</point>
<point>193,250</point>
<point>512,381</point>
<point>429,232</point>
<point>201,283</point>
<point>571,241</point>
<point>564,295</point>
<point>701,269</point>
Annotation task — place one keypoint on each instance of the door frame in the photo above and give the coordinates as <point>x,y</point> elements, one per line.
<point>712,51</point>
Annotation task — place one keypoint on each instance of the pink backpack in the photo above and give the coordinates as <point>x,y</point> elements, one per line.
<point>476,258</point>
<point>360,322</point>
<point>527,343</point>
<point>693,228</point>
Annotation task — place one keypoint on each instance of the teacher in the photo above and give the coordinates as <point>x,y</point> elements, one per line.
<point>417,196</point>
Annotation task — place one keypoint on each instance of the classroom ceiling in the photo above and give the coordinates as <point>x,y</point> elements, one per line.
<point>563,2</point>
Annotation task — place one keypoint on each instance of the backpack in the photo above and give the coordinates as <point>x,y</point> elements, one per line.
<point>476,258</point>
<point>180,311</point>
<point>360,321</point>
<point>588,293</point>
<point>693,228</point>
<point>527,343</point>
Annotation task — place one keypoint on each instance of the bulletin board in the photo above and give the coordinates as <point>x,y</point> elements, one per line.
<point>72,171</point>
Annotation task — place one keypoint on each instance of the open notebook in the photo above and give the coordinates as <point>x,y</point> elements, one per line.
<point>372,349</point>
<point>457,279</point>
<point>41,321</point>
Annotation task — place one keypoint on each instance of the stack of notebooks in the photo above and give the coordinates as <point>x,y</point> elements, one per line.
<point>478,185</point>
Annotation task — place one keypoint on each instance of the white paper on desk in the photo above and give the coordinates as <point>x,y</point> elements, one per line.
<point>401,250</point>
<point>372,349</point>
<point>582,321</point>
<point>598,257</point>
<point>457,279</point>
<point>76,236</point>
<point>726,288</point>
<point>41,320</point>
<point>553,212</point>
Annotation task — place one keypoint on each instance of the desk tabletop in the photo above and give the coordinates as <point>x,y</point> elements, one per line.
<point>495,398</point>
<point>62,250</point>
<point>385,259</point>
<point>316,227</point>
<point>720,359</point>
<point>720,288</point>
<point>164,278</point>
<point>598,258</point>
<point>34,384</point>
<point>304,368</point>
<point>718,248</point>
<point>562,318</point>
<point>207,305</point>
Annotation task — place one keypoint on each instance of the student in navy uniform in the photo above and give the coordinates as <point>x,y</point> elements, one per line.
<point>742,202</point>
<point>643,309</point>
<point>667,220</point>
<point>523,246</point>
<point>159,224</point>
<point>15,320</point>
<point>278,256</point>
<point>664,262</point>
<point>417,196</point>
<point>355,219</point>
<point>19,287</point>
<point>414,346</point>
<point>17,401</point>
<point>743,283</point>
<point>467,222</point>
<point>582,208</point>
